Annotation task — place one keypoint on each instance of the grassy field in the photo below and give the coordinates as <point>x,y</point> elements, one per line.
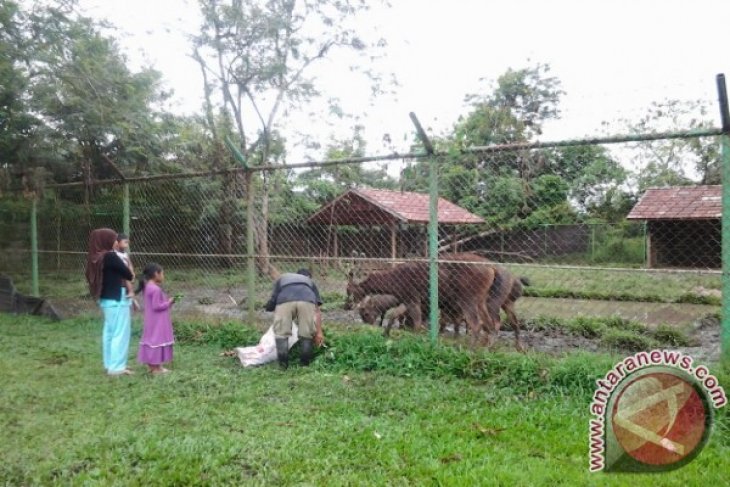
<point>585,282</point>
<point>369,412</point>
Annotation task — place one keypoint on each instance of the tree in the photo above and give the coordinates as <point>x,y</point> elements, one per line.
<point>67,95</point>
<point>513,187</point>
<point>323,184</point>
<point>514,111</point>
<point>16,122</point>
<point>590,171</point>
<point>255,58</point>
<point>676,162</point>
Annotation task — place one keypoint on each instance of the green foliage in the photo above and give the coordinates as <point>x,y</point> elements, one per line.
<point>413,356</point>
<point>623,243</point>
<point>642,297</point>
<point>664,162</point>
<point>690,298</point>
<point>615,333</point>
<point>624,340</point>
<point>220,334</point>
<point>523,188</point>
<point>70,96</point>
<point>671,336</point>
<point>503,199</point>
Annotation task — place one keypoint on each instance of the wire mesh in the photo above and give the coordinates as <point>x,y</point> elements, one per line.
<point>552,220</point>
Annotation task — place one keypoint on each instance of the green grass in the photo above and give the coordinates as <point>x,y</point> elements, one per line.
<point>588,283</point>
<point>615,333</point>
<point>549,282</point>
<point>620,285</point>
<point>686,298</point>
<point>411,419</point>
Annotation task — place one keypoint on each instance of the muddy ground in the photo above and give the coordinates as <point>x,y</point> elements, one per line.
<point>693,319</point>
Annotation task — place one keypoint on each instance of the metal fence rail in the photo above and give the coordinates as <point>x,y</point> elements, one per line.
<point>221,235</point>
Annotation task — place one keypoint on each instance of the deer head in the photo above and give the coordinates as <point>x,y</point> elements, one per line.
<point>354,291</point>
<point>368,313</point>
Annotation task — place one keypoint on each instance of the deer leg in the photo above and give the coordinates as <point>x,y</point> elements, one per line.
<point>487,323</point>
<point>514,323</point>
<point>493,311</point>
<point>472,322</point>
<point>382,319</point>
<point>414,311</point>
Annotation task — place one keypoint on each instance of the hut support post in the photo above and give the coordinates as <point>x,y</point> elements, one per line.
<point>393,241</point>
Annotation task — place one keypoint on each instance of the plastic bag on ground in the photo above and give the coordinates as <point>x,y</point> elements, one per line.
<point>265,351</point>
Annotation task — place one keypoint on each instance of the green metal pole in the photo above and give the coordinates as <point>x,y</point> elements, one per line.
<point>433,276</point>
<point>250,247</point>
<point>593,243</point>
<point>250,250</point>
<point>433,230</point>
<point>725,159</point>
<point>725,351</point>
<point>34,247</point>
<point>125,215</point>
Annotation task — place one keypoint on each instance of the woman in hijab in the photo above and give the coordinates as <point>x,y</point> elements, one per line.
<point>106,274</point>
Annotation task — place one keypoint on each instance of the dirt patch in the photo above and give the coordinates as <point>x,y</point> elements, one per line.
<point>699,321</point>
<point>706,333</point>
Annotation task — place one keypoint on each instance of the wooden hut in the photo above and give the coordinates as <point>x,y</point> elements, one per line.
<point>683,226</point>
<point>367,207</point>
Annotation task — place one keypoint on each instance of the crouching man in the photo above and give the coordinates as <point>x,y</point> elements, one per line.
<point>296,298</point>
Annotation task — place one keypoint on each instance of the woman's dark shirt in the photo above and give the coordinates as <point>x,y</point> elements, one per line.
<point>113,275</point>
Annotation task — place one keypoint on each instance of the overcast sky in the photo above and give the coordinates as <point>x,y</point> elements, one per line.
<point>613,57</point>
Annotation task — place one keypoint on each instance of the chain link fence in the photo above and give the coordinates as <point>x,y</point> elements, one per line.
<point>558,219</point>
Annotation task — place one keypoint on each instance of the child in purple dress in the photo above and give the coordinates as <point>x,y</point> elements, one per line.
<point>155,346</point>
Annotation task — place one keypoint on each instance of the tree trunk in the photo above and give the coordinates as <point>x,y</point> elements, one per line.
<point>266,266</point>
<point>225,228</point>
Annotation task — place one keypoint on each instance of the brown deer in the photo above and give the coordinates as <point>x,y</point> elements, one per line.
<point>464,286</point>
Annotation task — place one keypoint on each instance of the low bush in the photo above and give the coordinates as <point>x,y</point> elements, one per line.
<point>688,298</point>
<point>626,340</point>
<point>613,331</point>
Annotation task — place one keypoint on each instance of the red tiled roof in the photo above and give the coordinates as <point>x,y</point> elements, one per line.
<point>365,206</point>
<point>679,203</point>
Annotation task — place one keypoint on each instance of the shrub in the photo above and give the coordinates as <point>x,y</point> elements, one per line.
<point>668,335</point>
<point>690,298</point>
<point>626,340</point>
<point>227,335</point>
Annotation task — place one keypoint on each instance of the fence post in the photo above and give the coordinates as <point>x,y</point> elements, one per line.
<point>593,244</point>
<point>250,247</point>
<point>725,160</point>
<point>433,240</point>
<point>125,211</point>
<point>34,246</point>
<point>250,250</point>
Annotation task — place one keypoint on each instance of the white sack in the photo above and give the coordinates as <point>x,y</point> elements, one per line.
<point>265,351</point>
